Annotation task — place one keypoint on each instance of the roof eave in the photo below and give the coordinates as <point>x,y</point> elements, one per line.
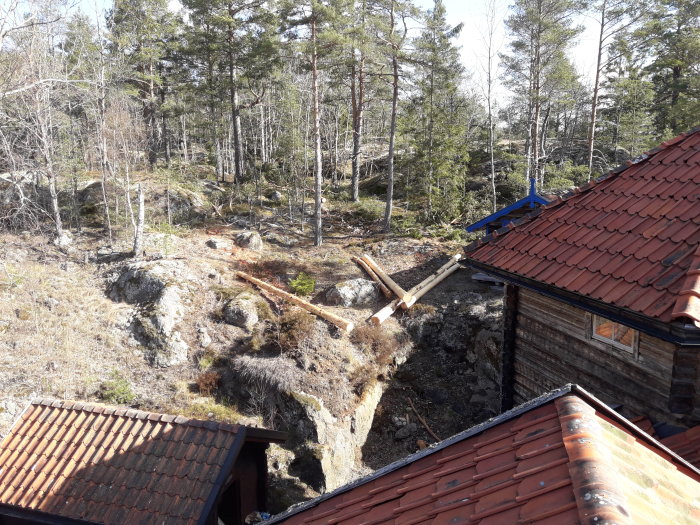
<point>675,332</point>
<point>532,404</point>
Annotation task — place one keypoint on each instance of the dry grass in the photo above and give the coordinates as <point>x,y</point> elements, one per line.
<point>59,336</point>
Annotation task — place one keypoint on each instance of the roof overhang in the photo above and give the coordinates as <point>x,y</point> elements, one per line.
<point>570,388</point>
<point>675,332</point>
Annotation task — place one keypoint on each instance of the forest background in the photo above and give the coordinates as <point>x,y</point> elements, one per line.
<point>358,101</point>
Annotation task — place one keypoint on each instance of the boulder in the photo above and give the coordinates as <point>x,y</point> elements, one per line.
<point>250,240</point>
<point>279,240</point>
<point>353,292</point>
<point>64,240</point>
<point>406,431</point>
<point>241,311</point>
<point>276,196</point>
<point>219,244</point>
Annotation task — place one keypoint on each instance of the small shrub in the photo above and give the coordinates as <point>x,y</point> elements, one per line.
<point>377,342</point>
<point>117,390</point>
<point>267,269</point>
<point>208,359</point>
<point>360,378</point>
<point>295,327</point>
<point>225,293</point>
<point>419,310</point>
<point>303,284</point>
<point>208,382</point>
<point>264,311</point>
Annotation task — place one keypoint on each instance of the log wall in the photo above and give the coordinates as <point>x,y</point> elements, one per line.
<point>553,346</point>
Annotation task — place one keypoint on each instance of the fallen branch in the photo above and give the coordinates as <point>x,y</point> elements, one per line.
<point>425,425</point>
<point>400,292</point>
<point>419,290</point>
<point>341,323</point>
<point>387,293</point>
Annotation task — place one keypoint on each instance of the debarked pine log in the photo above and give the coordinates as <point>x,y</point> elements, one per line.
<point>387,293</point>
<point>400,292</point>
<point>338,321</point>
<point>419,290</point>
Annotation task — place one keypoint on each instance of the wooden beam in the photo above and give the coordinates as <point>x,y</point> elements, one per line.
<point>433,279</point>
<point>400,292</point>
<point>387,293</point>
<point>419,290</point>
<point>336,320</point>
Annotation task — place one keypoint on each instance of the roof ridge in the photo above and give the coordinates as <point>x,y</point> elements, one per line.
<point>596,488</point>
<point>132,413</point>
<point>578,190</point>
<point>688,300</point>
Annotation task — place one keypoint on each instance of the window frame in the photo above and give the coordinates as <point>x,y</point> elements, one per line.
<point>595,321</point>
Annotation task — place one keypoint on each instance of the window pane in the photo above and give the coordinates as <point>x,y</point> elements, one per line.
<point>604,328</point>
<point>615,333</point>
<point>624,335</point>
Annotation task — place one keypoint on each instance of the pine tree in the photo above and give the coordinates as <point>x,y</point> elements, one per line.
<point>671,36</point>
<point>234,46</point>
<point>314,23</point>
<point>542,30</point>
<point>140,33</point>
<point>433,118</point>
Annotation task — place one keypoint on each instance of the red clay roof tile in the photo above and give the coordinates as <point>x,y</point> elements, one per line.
<point>106,465</point>
<point>556,460</point>
<point>648,212</point>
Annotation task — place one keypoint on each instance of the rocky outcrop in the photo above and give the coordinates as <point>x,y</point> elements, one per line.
<point>468,332</point>
<point>241,311</point>
<point>250,240</point>
<point>353,292</point>
<point>306,392</point>
<point>158,289</point>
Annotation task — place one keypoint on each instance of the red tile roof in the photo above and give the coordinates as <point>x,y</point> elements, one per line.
<point>563,458</point>
<point>686,444</point>
<point>113,465</point>
<point>630,239</point>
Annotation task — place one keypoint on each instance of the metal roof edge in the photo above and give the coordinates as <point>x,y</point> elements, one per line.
<point>38,517</point>
<point>472,431</point>
<point>527,200</point>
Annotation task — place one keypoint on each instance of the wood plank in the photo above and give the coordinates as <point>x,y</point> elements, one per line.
<point>600,380</point>
<point>595,349</point>
<point>643,401</point>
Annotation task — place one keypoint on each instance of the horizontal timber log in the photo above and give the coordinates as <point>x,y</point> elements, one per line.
<point>341,323</point>
<point>565,350</point>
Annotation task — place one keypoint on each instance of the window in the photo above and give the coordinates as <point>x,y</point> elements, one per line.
<point>616,334</point>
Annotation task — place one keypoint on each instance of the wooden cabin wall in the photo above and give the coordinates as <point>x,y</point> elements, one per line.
<point>553,346</point>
